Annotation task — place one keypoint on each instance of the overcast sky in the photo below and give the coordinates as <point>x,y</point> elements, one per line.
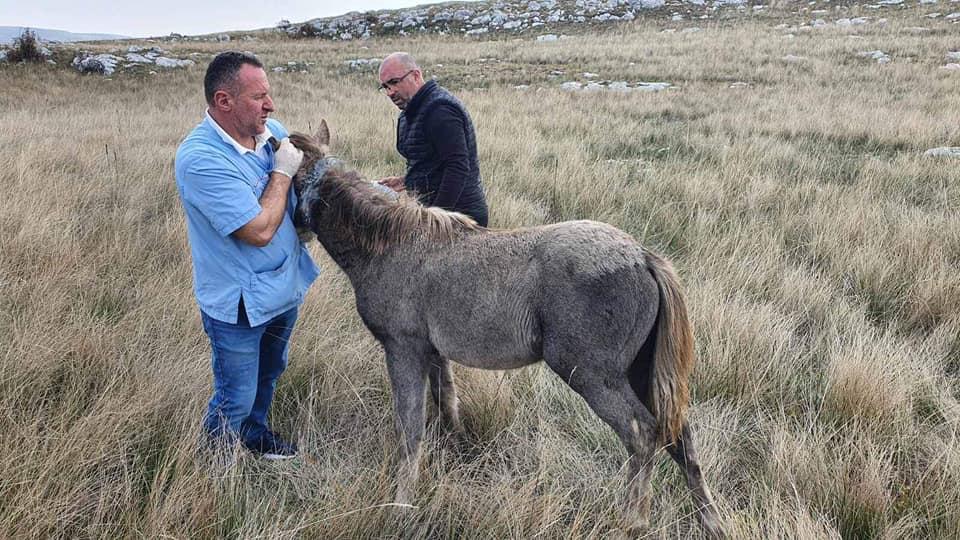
<point>144,18</point>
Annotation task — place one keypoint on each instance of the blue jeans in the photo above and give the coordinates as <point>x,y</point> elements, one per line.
<point>246,363</point>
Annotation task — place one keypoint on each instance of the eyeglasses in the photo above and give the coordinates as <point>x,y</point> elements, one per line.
<point>394,81</point>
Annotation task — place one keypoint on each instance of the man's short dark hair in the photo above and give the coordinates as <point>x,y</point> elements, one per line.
<point>223,70</point>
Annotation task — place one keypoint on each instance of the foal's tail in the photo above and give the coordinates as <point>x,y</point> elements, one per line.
<point>673,353</point>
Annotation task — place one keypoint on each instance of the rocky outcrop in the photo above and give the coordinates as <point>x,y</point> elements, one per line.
<point>488,17</point>
<point>107,64</point>
<point>477,18</point>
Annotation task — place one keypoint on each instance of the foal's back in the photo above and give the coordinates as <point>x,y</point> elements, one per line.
<point>489,298</point>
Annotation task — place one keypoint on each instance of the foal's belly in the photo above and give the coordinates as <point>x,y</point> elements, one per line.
<point>489,359</point>
<point>485,348</point>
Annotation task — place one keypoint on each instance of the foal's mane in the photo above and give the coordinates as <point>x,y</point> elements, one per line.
<point>372,218</point>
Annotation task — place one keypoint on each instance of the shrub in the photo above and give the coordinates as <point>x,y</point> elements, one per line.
<point>26,48</point>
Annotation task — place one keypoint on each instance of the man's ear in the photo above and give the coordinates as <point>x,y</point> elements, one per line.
<point>222,100</point>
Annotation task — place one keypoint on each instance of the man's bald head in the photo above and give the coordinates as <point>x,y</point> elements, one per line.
<point>399,61</point>
<point>400,78</point>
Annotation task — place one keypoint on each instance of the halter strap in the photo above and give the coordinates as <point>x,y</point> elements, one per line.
<point>319,169</point>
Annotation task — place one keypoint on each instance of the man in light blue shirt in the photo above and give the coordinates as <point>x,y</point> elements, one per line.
<point>250,270</point>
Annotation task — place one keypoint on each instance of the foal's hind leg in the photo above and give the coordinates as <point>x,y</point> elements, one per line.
<point>617,405</point>
<point>445,393</point>
<point>685,454</point>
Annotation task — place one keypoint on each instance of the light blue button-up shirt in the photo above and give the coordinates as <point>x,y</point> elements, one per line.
<point>220,183</point>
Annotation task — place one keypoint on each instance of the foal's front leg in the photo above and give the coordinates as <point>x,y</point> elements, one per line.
<point>408,373</point>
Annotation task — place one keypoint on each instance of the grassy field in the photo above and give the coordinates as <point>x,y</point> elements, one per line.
<point>819,248</point>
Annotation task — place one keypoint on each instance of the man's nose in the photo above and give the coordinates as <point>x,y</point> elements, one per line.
<point>268,104</point>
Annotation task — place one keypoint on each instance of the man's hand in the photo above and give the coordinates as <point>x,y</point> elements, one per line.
<point>287,158</point>
<point>393,182</point>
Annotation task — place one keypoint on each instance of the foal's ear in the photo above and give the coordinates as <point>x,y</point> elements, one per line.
<point>323,133</point>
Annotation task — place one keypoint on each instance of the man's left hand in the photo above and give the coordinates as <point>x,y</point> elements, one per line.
<point>393,182</point>
<point>287,158</point>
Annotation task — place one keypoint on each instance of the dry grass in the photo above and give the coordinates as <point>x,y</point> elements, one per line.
<point>820,250</point>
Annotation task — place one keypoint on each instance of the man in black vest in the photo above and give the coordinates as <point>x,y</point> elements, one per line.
<point>435,135</point>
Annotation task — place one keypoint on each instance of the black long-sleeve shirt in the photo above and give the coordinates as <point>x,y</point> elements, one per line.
<point>446,132</point>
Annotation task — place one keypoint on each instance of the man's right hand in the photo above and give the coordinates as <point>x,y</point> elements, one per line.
<point>287,158</point>
<point>393,182</point>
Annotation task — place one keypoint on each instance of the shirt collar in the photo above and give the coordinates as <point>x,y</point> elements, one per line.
<point>260,138</point>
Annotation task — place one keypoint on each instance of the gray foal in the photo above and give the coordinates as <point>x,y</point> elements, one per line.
<point>605,314</point>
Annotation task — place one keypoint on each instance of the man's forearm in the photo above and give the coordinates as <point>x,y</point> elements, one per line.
<point>273,205</point>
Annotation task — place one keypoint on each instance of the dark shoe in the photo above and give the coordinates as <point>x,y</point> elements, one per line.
<point>271,447</point>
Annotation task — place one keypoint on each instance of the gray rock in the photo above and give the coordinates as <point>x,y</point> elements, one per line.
<point>482,20</point>
<point>462,14</point>
<point>3,55</point>
<point>652,86</point>
<point>138,58</point>
<point>363,63</point>
<point>878,55</point>
<point>548,37</point>
<point>944,151</point>
<point>165,62</point>
<point>104,64</point>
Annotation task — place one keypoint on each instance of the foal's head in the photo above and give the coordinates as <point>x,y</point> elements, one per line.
<point>314,149</point>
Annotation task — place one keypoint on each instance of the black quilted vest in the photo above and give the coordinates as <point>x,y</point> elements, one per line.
<point>424,167</point>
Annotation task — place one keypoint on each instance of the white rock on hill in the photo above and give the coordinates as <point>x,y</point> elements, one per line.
<point>479,17</point>
<point>363,63</point>
<point>104,64</point>
<point>107,64</point>
<point>616,86</point>
<point>165,62</point>
<point>878,55</point>
<point>943,151</point>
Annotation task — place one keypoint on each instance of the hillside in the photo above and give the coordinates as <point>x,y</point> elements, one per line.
<point>9,33</point>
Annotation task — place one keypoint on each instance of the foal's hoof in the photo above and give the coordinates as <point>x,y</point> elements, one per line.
<point>403,501</point>
<point>713,527</point>
<point>636,527</point>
